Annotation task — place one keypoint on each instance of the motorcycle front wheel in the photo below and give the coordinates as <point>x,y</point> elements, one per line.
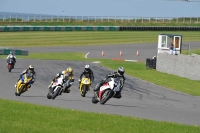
<point>55,94</point>
<point>84,90</point>
<point>107,94</point>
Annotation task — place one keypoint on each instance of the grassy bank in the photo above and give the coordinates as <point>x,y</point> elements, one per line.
<point>28,118</point>
<point>38,39</point>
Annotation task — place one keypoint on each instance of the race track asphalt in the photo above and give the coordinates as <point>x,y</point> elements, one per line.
<point>139,98</point>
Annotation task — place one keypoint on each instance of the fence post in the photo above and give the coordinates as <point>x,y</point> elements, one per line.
<point>197,20</point>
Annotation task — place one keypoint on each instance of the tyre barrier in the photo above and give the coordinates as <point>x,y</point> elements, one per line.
<point>58,28</point>
<point>6,51</point>
<point>159,28</point>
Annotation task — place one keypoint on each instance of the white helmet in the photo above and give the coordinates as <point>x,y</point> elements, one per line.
<point>87,68</point>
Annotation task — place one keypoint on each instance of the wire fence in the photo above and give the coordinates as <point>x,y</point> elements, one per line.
<point>113,19</point>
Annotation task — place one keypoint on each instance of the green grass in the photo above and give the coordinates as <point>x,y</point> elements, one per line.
<point>112,23</point>
<point>38,39</point>
<point>138,70</point>
<point>21,117</point>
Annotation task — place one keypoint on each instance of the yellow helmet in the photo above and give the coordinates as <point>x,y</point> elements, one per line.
<point>69,70</point>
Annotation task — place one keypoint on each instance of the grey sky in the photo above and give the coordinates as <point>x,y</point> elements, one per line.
<point>140,8</point>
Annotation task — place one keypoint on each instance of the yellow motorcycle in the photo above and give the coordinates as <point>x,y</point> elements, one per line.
<point>84,86</point>
<point>23,83</point>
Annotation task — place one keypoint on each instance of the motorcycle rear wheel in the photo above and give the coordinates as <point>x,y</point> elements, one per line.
<point>49,95</point>
<point>94,99</point>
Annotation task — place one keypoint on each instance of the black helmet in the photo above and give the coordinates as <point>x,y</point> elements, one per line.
<point>121,70</point>
<point>87,68</point>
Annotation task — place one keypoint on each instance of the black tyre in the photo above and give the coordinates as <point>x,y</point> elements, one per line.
<point>55,94</point>
<point>107,94</point>
<point>49,95</point>
<point>84,90</point>
<point>94,99</point>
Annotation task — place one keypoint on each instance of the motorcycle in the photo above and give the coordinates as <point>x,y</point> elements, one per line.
<point>108,90</point>
<point>84,86</point>
<point>23,83</point>
<point>57,89</point>
<point>10,65</point>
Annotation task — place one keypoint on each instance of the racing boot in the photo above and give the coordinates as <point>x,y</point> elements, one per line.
<point>118,95</point>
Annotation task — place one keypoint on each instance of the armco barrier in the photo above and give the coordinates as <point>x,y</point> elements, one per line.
<point>58,28</point>
<point>15,51</point>
<point>159,28</point>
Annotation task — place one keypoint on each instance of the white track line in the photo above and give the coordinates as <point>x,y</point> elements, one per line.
<point>87,54</point>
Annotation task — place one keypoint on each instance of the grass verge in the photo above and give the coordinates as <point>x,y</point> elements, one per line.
<point>28,118</point>
<point>74,38</point>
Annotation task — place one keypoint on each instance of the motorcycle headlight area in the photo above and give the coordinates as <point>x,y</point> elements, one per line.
<point>86,82</point>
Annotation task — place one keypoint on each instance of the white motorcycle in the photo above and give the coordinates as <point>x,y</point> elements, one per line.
<point>107,91</point>
<point>57,88</point>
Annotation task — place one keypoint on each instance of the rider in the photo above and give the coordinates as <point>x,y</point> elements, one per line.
<point>67,75</point>
<point>116,74</point>
<point>87,72</point>
<point>11,56</point>
<point>29,70</point>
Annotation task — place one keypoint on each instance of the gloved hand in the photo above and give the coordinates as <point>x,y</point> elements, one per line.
<point>79,80</point>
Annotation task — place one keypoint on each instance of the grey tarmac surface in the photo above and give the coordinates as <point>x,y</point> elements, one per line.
<point>139,98</point>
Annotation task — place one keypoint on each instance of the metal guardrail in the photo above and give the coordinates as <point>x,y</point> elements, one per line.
<point>15,52</point>
<point>115,19</point>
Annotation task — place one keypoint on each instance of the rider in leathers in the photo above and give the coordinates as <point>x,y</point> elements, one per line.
<point>31,71</point>
<point>11,55</point>
<point>87,73</point>
<point>116,74</point>
<point>68,80</point>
